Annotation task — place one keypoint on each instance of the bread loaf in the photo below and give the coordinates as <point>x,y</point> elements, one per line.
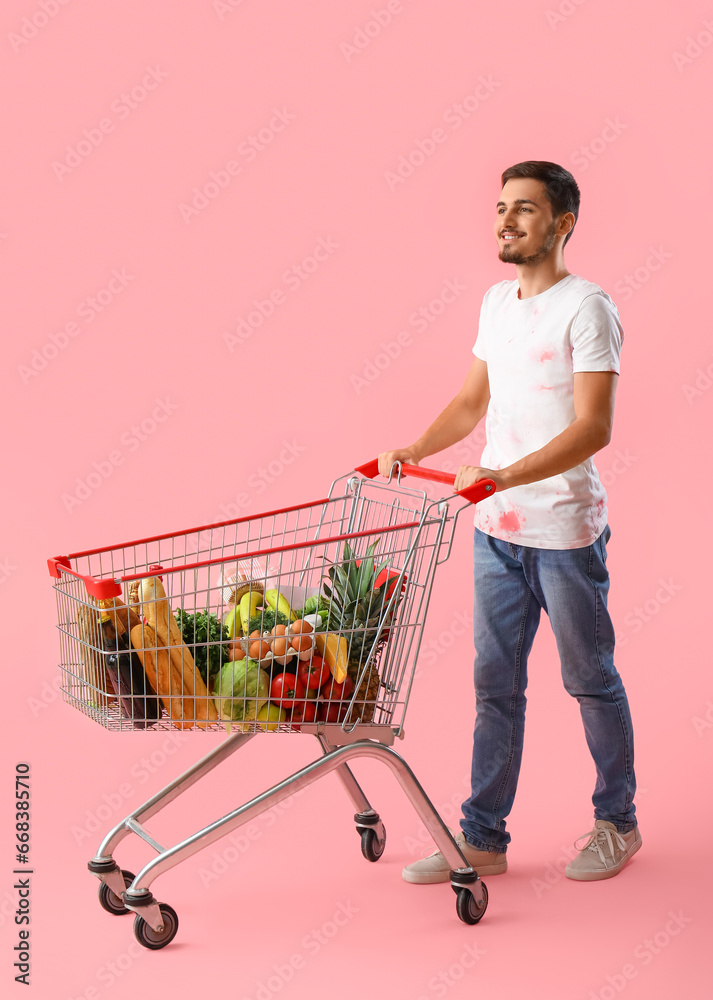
<point>160,618</point>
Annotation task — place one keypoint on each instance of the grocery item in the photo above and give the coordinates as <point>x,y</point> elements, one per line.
<point>333,704</point>
<point>258,649</point>
<point>280,647</point>
<point>159,617</point>
<point>270,716</point>
<point>388,574</point>
<point>93,661</point>
<point>126,615</point>
<point>137,698</point>
<point>162,674</point>
<point>249,603</point>
<point>241,689</point>
<point>267,620</point>
<point>232,622</point>
<point>314,605</point>
<point>303,711</point>
<point>204,635</point>
<point>333,649</point>
<point>275,599</point>
<point>234,586</point>
<point>286,689</point>
<point>316,620</point>
<point>356,608</point>
<point>313,673</point>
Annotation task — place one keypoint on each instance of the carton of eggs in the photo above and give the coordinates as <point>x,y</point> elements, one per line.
<point>284,643</point>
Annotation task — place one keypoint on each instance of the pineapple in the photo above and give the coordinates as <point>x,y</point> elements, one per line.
<point>356,608</point>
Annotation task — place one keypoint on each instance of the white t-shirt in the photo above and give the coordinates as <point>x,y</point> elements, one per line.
<point>532,348</point>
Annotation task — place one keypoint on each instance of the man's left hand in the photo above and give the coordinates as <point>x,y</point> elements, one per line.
<point>469,474</point>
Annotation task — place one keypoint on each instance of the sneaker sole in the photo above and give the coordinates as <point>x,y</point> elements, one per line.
<point>430,878</point>
<point>598,876</point>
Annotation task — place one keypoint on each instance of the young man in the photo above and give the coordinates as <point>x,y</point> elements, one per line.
<point>545,370</point>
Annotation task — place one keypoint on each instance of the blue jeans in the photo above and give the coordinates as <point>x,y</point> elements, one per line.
<point>512,585</point>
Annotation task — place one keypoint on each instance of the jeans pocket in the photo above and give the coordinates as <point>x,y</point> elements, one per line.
<point>598,571</point>
<point>602,541</point>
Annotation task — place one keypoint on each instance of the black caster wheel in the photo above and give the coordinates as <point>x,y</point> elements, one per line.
<point>148,937</point>
<point>110,901</point>
<point>371,847</point>
<point>466,907</point>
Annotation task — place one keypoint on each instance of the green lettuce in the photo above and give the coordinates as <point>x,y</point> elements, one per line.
<point>241,689</point>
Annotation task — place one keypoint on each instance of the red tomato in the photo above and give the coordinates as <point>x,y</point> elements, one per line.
<point>286,689</point>
<point>304,712</point>
<point>313,673</point>
<point>331,691</point>
<point>333,711</point>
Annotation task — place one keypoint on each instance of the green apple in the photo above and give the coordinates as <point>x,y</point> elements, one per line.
<point>270,716</point>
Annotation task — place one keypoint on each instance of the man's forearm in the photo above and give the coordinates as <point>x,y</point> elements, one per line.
<point>456,422</point>
<point>570,448</point>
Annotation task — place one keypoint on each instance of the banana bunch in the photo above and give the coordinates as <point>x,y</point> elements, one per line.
<point>248,604</point>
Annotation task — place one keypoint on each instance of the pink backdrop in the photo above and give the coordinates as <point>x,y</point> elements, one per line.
<point>214,218</point>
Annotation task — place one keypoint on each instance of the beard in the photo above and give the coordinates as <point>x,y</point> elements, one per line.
<point>510,255</point>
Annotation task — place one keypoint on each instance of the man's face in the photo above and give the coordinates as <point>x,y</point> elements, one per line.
<point>524,227</point>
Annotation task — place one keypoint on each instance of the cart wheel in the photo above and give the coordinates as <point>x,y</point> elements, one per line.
<point>110,901</point>
<point>466,907</point>
<point>148,937</point>
<point>371,847</point>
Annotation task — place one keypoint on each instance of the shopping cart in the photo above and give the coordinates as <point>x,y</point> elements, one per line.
<point>362,560</point>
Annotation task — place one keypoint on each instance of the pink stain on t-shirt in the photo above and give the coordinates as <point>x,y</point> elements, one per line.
<point>547,355</point>
<point>509,521</point>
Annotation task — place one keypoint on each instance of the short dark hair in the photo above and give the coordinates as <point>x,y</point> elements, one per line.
<point>560,186</point>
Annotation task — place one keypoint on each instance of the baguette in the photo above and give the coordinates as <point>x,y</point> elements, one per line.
<point>163,676</point>
<point>90,643</point>
<point>160,618</point>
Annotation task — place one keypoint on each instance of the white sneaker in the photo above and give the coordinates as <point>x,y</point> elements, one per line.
<point>605,853</point>
<point>435,868</point>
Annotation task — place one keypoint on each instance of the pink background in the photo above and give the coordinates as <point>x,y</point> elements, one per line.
<point>219,74</point>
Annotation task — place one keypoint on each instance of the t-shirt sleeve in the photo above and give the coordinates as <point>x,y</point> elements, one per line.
<point>479,349</point>
<point>596,336</point>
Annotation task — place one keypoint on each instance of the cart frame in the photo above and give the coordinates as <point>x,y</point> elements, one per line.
<point>121,891</point>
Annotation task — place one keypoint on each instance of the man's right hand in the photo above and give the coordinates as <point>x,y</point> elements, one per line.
<point>407,456</point>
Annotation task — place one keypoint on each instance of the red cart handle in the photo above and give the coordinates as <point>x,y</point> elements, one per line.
<point>478,491</point>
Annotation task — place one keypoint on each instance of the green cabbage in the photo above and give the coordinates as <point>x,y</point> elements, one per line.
<point>311,606</point>
<point>316,605</point>
<point>241,689</point>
